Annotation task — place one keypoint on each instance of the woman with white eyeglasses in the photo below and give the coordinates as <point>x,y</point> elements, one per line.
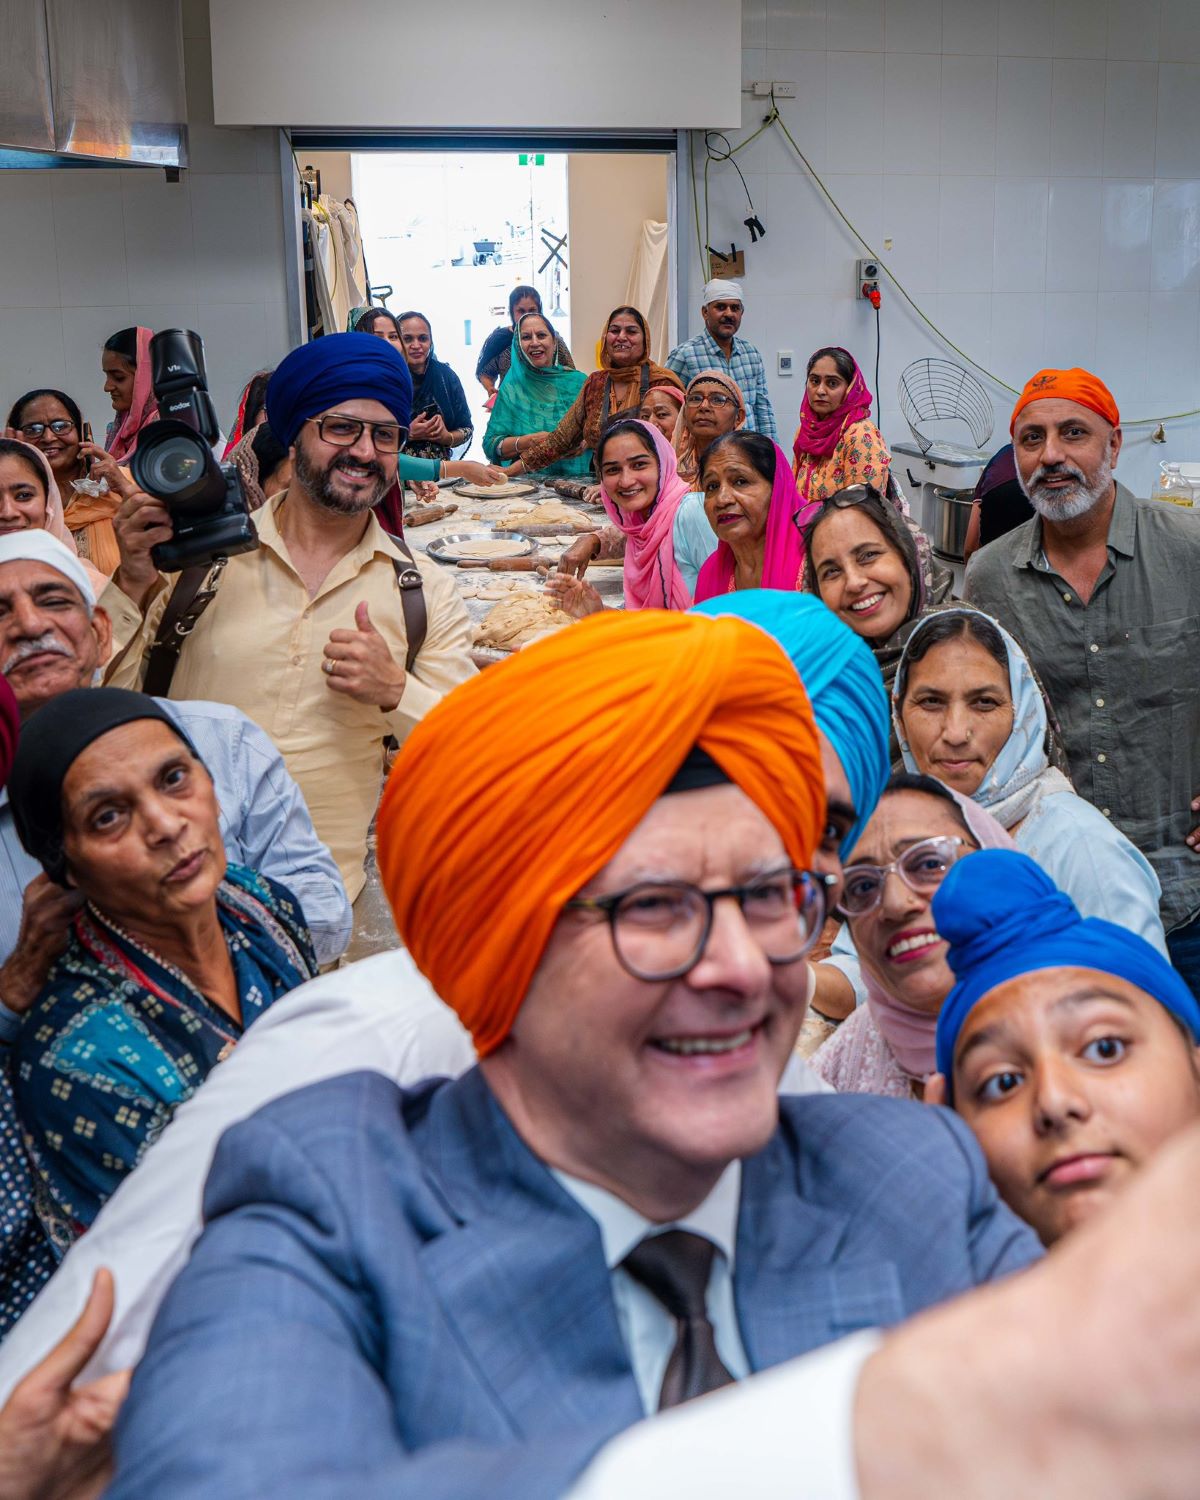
<point>918,831</point>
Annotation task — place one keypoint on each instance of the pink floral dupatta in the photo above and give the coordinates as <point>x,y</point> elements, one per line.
<point>122,436</point>
<point>783,561</point>
<point>652,576</point>
<point>817,437</point>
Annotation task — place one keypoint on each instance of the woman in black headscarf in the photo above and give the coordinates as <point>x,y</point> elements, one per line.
<point>173,953</point>
<point>441,418</point>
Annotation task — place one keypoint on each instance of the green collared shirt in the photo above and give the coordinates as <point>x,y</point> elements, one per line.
<point>1122,672</point>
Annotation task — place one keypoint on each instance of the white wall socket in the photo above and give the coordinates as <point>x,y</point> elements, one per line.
<point>783,362</point>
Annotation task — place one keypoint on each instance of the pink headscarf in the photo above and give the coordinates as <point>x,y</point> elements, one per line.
<point>817,437</point>
<point>783,561</point>
<point>911,1034</point>
<point>652,576</point>
<point>123,435</point>
<point>56,522</point>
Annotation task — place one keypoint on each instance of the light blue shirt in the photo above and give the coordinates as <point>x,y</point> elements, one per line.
<point>744,366</point>
<point>264,823</point>
<point>693,538</point>
<point>647,1327</point>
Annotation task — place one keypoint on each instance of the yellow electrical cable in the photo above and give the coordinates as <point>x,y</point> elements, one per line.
<point>775,118</point>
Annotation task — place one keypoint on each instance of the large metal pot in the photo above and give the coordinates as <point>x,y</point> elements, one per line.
<point>951,517</point>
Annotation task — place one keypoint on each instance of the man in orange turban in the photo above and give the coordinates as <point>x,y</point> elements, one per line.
<point>1102,588</point>
<point>517,791</point>
<point>598,853</point>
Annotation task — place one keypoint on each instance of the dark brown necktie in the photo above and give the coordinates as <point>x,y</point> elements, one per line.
<point>675,1267</point>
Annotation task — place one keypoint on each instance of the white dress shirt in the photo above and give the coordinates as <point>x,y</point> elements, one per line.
<point>648,1328</point>
<point>787,1434</point>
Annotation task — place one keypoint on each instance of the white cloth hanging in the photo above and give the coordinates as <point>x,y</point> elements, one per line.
<point>648,288</point>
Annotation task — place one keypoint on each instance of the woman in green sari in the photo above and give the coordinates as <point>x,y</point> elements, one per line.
<point>535,395</point>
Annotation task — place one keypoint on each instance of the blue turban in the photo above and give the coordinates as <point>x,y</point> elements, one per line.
<point>1003,916</point>
<point>840,676</point>
<point>338,367</point>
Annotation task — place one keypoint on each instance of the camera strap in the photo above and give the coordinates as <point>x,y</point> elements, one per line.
<point>194,591</point>
<point>196,588</point>
<point>412,602</point>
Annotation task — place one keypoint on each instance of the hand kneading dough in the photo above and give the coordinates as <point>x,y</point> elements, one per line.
<point>518,621</point>
<point>549,518</point>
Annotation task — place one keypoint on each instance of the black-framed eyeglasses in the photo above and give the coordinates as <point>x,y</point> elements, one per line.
<point>718,399</point>
<point>922,867</point>
<point>58,427</point>
<point>660,928</point>
<point>344,432</point>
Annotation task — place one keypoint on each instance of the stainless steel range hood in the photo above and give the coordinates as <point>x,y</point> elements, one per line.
<point>94,80</point>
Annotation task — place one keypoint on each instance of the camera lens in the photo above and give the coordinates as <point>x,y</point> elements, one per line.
<point>174,466</point>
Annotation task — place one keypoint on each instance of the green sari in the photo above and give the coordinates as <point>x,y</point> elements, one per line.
<point>532,400</point>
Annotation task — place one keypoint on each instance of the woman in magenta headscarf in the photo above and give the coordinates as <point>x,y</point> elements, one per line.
<point>837,444</point>
<point>129,385</point>
<point>753,507</point>
<point>641,490</point>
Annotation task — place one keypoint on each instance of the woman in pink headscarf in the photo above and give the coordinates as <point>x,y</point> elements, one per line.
<point>128,384</point>
<point>837,444</point>
<point>30,500</point>
<point>640,490</point>
<point>755,512</point>
<point>918,830</point>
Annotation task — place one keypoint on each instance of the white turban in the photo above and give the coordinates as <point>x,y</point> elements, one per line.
<point>717,290</point>
<point>39,546</point>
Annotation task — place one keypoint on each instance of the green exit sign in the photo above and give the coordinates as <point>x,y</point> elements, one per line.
<point>537,157</point>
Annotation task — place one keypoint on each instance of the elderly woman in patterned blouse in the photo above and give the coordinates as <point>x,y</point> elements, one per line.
<point>171,955</point>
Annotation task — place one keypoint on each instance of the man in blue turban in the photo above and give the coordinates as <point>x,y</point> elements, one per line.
<point>1068,1044</point>
<point>330,635</point>
<point>338,368</point>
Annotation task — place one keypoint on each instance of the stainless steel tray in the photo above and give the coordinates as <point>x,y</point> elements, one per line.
<point>437,547</point>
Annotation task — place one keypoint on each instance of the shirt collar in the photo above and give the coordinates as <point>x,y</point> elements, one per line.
<point>622,1227</point>
<point>374,539</point>
<point>1122,532</point>
<point>711,344</point>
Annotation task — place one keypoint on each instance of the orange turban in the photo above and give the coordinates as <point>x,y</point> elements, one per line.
<point>1075,385</point>
<point>525,781</point>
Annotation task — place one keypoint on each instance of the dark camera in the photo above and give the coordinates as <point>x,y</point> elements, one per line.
<point>174,461</point>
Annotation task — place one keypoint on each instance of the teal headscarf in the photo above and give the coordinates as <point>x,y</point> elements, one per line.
<point>531,400</point>
<point>840,676</point>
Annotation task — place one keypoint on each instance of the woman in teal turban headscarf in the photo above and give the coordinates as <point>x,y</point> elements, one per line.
<point>841,677</point>
<point>535,399</point>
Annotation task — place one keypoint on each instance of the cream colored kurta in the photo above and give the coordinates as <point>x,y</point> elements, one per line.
<point>259,646</point>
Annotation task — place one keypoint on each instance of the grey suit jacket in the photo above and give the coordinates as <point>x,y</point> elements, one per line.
<point>393,1296</point>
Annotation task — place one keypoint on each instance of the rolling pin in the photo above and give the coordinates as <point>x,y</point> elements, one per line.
<point>425,515</point>
<point>506,564</point>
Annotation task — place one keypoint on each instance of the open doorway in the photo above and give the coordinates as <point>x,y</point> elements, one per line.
<point>451,232</point>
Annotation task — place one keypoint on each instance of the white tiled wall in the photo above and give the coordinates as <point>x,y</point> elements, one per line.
<point>85,252</point>
<point>1036,165</point>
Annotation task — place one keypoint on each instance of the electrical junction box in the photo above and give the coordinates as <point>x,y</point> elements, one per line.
<point>783,362</point>
<point>866,276</point>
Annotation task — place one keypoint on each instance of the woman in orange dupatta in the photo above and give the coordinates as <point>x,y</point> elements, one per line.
<point>92,482</point>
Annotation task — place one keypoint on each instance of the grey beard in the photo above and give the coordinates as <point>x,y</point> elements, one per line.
<point>318,486</point>
<point>1068,505</point>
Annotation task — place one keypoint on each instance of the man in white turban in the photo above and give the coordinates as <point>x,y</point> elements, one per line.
<point>719,347</point>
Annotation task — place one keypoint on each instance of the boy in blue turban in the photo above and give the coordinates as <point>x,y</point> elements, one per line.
<point>1069,1045</point>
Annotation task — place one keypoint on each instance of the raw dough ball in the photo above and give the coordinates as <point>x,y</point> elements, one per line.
<point>550,517</point>
<point>519,620</point>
